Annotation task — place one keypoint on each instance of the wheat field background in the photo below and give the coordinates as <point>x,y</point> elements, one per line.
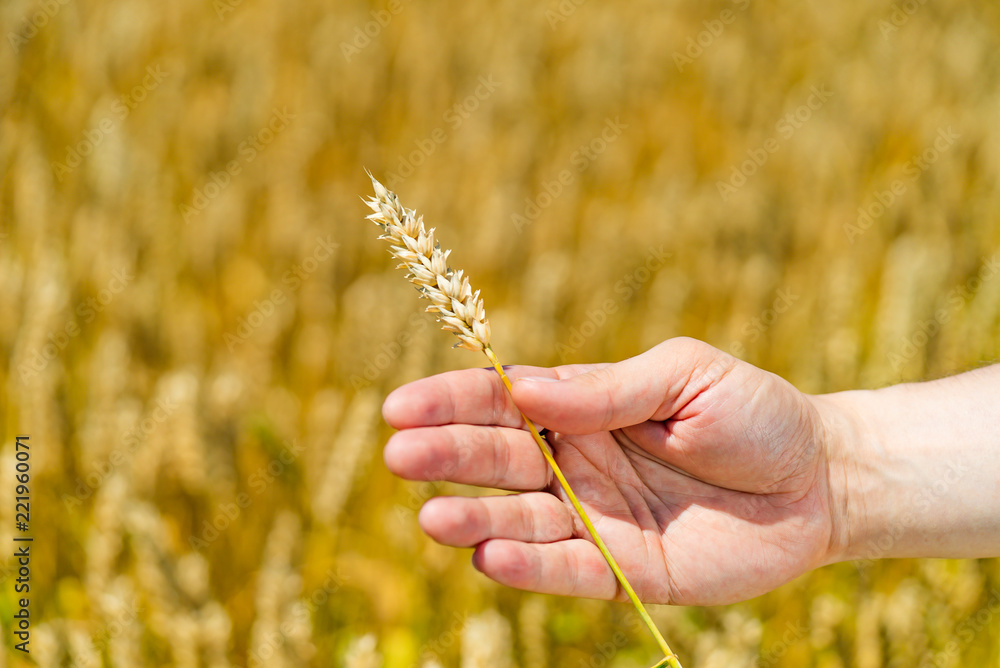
<point>198,326</point>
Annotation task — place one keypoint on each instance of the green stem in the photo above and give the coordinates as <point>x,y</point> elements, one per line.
<point>671,658</point>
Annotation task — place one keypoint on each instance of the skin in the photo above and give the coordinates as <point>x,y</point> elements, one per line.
<point>710,480</point>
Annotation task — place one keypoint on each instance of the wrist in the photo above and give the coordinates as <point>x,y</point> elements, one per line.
<point>912,469</point>
<point>850,460</point>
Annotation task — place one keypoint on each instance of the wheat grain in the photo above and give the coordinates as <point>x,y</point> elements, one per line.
<point>456,307</point>
<point>349,455</point>
<point>122,628</point>
<point>279,612</point>
<point>322,418</point>
<point>46,646</point>
<point>194,281</point>
<point>363,653</point>
<point>216,629</point>
<point>82,652</point>
<point>486,641</point>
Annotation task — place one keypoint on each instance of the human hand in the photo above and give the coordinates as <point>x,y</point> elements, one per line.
<point>706,477</point>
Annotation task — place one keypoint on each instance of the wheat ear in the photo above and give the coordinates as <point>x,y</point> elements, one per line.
<point>461,311</point>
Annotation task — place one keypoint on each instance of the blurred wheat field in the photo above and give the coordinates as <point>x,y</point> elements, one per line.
<point>198,326</point>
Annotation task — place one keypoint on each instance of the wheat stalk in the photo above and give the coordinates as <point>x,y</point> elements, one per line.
<point>461,311</point>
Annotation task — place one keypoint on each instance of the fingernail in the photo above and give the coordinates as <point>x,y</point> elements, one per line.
<point>536,379</point>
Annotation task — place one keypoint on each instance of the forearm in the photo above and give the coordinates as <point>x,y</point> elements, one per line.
<point>914,469</point>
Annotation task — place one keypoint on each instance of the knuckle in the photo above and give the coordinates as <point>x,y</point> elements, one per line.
<point>501,457</point>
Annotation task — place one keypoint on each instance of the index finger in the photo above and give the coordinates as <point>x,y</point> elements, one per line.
<point>468,396</point>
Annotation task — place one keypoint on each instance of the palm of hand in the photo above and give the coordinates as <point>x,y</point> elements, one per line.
<point>719,496</point>
<point>721,503</point>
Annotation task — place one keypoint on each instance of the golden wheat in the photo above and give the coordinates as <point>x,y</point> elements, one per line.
<point>362,653</point>
<point>452,301</point>
<point>486,641</point>
<point>428,267</point>
<point>229,64</point>
<point>531,630</point>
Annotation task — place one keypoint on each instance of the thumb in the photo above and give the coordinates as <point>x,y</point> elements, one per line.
<point>650,386</point>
